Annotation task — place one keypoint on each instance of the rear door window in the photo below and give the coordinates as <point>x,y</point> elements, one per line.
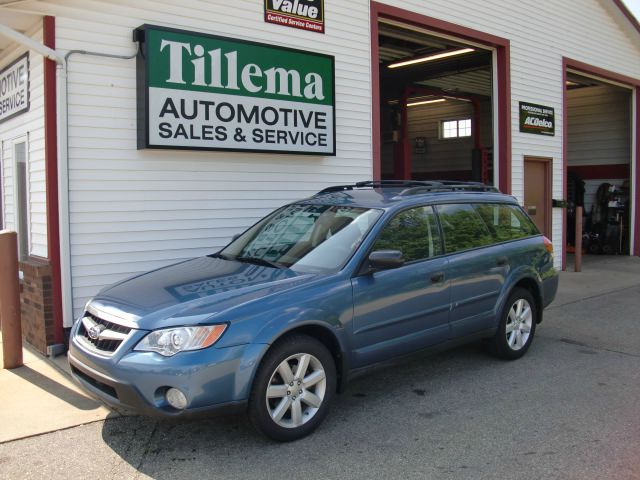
<point>506,222</point>
<point>414,232</point>
<point>462,227</point>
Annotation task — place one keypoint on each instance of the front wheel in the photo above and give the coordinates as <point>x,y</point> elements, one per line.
<point>517,325</point>
<point>293,388</point>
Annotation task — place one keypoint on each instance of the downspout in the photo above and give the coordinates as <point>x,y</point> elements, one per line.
<point>61,117</point>
<point>63,152</point>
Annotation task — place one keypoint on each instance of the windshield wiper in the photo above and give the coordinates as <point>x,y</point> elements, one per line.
<point>223,256</point>
<point>259,261</point>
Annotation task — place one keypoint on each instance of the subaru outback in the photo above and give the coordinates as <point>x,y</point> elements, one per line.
<point>277,321</point>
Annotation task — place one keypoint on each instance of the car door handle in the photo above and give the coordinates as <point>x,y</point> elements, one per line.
<point>437,277</point>
<point>502,261</point>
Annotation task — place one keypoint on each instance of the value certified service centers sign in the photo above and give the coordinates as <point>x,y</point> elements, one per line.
<point>198,91</point>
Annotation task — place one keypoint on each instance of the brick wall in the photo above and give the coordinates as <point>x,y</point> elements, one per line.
<point>36,303</point>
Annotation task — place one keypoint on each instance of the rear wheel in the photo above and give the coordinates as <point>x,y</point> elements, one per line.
<point>294,386</point>
<point>517,325</point>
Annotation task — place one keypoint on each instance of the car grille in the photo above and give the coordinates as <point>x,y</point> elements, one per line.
<point>101,335</point>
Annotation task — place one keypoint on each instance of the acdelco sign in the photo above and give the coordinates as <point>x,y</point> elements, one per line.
<point>537,119</point>
<point>201,91</point>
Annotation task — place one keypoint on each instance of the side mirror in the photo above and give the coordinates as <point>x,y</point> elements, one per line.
<point>385,259</point>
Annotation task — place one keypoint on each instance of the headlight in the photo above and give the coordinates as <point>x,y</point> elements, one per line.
<point>170,341</point>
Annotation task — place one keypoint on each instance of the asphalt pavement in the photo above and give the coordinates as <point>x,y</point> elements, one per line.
<point>569,409</point>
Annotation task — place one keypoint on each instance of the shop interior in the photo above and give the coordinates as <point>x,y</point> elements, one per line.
<point>436,106</point>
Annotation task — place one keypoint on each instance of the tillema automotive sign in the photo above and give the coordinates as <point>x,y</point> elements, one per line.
<point>303,14</point>
<point>204,92</point>
<point>14,88</point>
<point>537,119</point>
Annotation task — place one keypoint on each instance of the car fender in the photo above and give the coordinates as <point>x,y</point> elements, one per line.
<point>515,276</point>
<point>272,330</point>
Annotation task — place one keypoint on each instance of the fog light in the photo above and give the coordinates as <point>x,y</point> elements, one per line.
<point>176,399</point>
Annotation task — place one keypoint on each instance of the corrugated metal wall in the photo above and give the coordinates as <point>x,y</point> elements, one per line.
<point>599,126</point>
<point>446,154</point>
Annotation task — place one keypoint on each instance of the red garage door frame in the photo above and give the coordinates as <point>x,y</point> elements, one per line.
<point>503,80</point>
<point>634,85</point>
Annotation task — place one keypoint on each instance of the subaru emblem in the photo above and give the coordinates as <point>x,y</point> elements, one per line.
<point>94,332</point>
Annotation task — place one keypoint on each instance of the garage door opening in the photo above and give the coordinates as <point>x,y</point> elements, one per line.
<point>436,106</point>
<point>599,159</point>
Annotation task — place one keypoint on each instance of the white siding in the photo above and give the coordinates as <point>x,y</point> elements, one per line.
<point>30,123</point>
<point>599,126</point>
<point>132,210</point>
<point>135,210</point>
<point>540,34</point>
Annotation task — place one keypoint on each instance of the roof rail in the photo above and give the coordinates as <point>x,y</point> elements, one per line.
<point>376,184</point>
<point>415,187</point>
<point>450,186</point>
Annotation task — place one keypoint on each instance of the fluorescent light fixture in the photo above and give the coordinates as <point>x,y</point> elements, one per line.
<point>429,58</point>
<point>571,84</point>
<point>425,102</point>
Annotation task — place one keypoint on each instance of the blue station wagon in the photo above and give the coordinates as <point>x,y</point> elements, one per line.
<point>276,322</point>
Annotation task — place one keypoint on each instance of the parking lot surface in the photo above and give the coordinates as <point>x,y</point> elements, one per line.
<point>569,409</point>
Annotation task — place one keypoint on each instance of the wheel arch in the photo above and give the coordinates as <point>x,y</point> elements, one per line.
<point>530,284</point>
<point>325,335</point>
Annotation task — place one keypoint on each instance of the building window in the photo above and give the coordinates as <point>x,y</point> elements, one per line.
<point>455,128</point>
<point>22,198</point>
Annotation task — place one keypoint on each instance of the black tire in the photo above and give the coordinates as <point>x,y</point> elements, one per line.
<point>261,408</point>
<point>508,347</point>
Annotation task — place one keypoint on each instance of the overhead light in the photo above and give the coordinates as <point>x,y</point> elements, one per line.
<point>425,102</point>
<point>429,58</point>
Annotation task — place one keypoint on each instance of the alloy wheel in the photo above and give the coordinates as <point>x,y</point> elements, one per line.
<point>296,390</point>
<point>518,326</point>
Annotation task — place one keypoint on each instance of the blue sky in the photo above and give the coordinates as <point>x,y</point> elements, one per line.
<point>634,6</point>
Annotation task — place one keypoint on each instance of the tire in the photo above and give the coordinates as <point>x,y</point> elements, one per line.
<point>517,325</point>
<point>277,408</point>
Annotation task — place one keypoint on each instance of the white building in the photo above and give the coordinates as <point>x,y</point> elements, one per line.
<point>514,93</point>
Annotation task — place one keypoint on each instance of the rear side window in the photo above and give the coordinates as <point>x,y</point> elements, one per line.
<point>414,232</point>
<point>506,222</point>
<point>462,227</point>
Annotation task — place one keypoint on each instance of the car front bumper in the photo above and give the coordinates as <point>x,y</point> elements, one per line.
<point>214,380</point>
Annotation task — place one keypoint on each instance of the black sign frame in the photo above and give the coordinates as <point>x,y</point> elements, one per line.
<point>537,119</point>
<point>27,107</point>
<point>294,20</point>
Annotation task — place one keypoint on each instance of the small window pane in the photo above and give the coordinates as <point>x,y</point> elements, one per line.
<point>414,232</point>
<point>22,186</point>
<point>450,129</point>
<point>464,128</point>
<point>462,228</point>
<point>456,128</point>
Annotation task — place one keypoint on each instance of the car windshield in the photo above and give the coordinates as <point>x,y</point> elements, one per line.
<point>305,238</point>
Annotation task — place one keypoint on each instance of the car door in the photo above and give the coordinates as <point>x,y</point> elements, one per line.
<point>404,309</point>
<point>477,268</point>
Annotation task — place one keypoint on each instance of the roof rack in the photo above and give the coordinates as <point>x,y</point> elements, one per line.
<point>375,184</point>
<point>415,187</point>
<point>450,186</point>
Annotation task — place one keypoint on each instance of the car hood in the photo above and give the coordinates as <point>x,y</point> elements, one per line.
<point>192,292</point>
